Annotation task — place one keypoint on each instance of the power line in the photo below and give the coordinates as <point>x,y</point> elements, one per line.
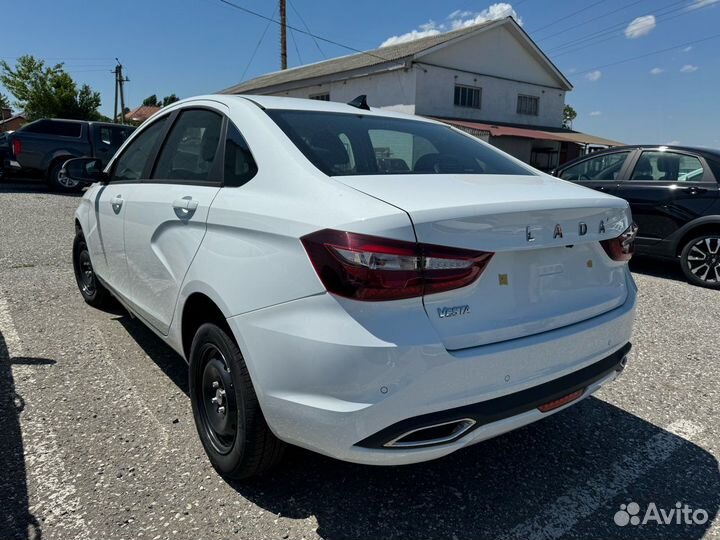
<point>292,6</point>
<point>612,30</point>
<point>652,53</point>
<point>594,19</point>
<point>297,51</point>
<point>572,14</point>
<point>316,36</point>
<point>257,46</point>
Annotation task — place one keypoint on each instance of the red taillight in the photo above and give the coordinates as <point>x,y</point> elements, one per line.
<point>16,147</point>
<point>552,405</point>
<point>622,247</point>
<point>371,268</point>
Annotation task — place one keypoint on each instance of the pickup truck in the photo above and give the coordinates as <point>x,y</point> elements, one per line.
<point>40,148</point>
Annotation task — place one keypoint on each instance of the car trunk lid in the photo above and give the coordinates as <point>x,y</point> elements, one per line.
<point>548,269</point>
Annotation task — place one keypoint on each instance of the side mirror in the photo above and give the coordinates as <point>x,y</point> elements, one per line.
<point>84,170</point>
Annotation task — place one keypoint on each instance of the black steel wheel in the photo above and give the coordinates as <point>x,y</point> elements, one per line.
<point>700,261</point>
<point>92,291</point>
<point>227,414</point>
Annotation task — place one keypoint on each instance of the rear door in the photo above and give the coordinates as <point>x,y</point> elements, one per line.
<point>666,189</point>
<point>166,220</point>
<point>599,172</point>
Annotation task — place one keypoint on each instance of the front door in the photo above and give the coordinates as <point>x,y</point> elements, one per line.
<point>166,220</point>
<point>601,172</point>
<point>107,240</point>
<point>667,189</point>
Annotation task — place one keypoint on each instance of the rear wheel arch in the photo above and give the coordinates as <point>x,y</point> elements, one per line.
<point>696,230</point>
<point>198,310</point>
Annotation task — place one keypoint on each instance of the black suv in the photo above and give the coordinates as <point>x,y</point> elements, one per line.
<point>673,194</point>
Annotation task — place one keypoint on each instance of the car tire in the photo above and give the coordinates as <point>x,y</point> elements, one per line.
<point>92,291</point>
<point>59,182</point>
<point>700,261</point>
<point>227,414</point>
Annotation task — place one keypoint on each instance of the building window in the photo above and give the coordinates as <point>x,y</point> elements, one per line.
<point>321,97</point>
<point>528,105</point>
<point>468,96</point>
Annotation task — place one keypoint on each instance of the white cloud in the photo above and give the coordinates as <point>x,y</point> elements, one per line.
<point>702,3</point>
<point>457,19</point>
<point>688,48</point>
<point>639,27</point>
<point>672,143</point>
<point>656,71</point>
<point>596,113</point>
<point>689,68</point>
<point>594,75</point>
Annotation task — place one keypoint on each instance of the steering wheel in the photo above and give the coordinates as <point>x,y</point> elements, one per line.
<point>583,177</point>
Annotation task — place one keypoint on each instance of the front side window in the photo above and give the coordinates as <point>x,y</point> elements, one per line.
<point>668,167</point>
<point>529,105</point>
<point>131,163</point>
<point>468,96</point>
<point>341,144</point>
<point>240,166</point>
<point>190,148</point>
<point>604,167</point>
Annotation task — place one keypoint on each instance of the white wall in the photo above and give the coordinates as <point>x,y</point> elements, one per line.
<point>436,90</point>
<point>393,90</point>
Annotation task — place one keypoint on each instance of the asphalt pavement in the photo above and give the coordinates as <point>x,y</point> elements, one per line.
<point>97,438</point>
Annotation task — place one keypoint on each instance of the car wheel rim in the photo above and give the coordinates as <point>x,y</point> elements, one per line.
<point>64,180</point>
<point>217,405</point>
<point>703,259</point>
<point>86,275</point>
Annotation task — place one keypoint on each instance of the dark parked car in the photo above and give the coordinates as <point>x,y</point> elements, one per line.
<point>40,148</point>
<point>673,194</point>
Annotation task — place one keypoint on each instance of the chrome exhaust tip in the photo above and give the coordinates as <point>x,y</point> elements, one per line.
<point>432,435</point>
<point>623,363</point>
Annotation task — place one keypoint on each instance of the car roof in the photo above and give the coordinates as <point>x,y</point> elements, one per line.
<point>301,104</point>
<point>715,153</point>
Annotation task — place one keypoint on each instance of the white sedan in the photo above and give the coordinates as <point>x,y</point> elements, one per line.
<point>377,287</point>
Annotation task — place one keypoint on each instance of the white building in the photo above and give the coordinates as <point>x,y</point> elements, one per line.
<point>489,79</point>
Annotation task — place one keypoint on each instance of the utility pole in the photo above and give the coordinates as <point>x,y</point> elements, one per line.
<point>283,36</point>
<point>120,81</point>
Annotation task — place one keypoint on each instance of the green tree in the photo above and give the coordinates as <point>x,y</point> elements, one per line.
<point>151,101</point>
<point>167,100</point>
<point>48,91</point>
<point>569,115</point>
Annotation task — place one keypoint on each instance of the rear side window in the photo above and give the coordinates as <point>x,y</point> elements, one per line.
<point>132,162</point>
<point>55,127</point>
<point>190,148</point>
<point>603,167</point>
<point>240,166</point>
<point>668,167</point>
<point>341,144</point>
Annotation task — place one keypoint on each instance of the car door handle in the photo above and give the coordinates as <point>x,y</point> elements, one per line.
<point>117,203</point>
<point>692,190</point>
<point>185,206</point>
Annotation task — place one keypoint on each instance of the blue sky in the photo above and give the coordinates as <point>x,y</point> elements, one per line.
<point>192,47</point>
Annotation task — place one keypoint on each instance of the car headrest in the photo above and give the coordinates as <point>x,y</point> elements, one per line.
<point>210,142</point>
<point>643,164</point>
<point>329,148</point>
<point>668,164</point>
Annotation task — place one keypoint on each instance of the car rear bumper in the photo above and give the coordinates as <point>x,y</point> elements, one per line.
<point>342,379</point>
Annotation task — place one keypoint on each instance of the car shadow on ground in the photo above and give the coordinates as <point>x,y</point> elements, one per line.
<point>563,477</point>
<point>657,268</point>
<point>16,520</point>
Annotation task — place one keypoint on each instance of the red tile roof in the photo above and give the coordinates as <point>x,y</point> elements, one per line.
<point>142,113</point>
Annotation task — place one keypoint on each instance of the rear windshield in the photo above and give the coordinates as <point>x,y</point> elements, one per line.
<point>341,144</point>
